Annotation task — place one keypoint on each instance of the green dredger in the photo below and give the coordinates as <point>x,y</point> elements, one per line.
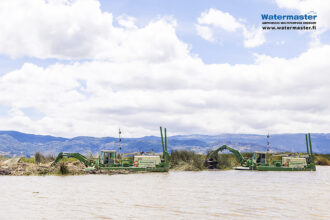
<point>110,160</point>
<point>263,161</point>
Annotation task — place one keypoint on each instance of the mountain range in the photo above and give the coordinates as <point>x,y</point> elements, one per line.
<point>14,143</point>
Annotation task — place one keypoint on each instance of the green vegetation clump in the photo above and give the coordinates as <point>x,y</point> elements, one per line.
<point>39,157</point>
<point>227,161</point>
<point>27,160</point>
<point>64,169</point>
<point>69,160</point>
<point>90,156</point>
<point>186,160</point>
<point>49,158</point>
<point>191,161</point>
<point>322,159</point>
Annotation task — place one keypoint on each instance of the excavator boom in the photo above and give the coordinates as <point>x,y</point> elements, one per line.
<point>211,163</point>
<point>87,162</point>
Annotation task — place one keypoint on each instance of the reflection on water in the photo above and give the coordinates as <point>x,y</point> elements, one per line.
<point>175,195</point>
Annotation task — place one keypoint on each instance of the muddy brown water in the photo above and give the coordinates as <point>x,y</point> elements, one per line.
<point>175,195</point>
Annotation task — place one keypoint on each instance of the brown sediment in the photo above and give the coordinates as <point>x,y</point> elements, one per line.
<point>18,167</point>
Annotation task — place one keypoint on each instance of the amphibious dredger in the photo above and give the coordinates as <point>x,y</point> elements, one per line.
<point>263,161</point>
<point>111,160</point>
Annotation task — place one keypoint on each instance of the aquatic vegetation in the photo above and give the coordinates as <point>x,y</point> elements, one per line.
<point>39,157</point>
<point>227,161</point>
<point>64,169</point>
<point>27,160</point>
<point>186,160</point>
<point>322,159</point>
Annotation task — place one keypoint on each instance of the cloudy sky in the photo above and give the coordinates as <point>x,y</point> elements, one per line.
<point>88,67</point>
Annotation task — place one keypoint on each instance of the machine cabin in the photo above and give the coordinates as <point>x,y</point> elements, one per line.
<point>108,157</point>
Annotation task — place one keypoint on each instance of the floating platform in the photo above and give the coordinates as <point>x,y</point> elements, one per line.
<point>147,169</point>
<point>241,168</point>
<point>274,168</point>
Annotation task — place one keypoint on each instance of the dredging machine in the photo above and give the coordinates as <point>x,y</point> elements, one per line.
<point>263,161</point>
<point>113,160</point>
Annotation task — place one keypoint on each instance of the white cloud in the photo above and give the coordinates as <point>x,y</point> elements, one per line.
<point>219,19</point>
<point>143,77</point>
<point>127,21</point>
<point>185,95</point>
<point>213,19</point>
<point>205,32</point>
<point>321,7</point>
<point>253,37</point>
<point>80,30</point>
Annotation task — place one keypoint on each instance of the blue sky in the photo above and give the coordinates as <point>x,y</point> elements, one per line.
<point>87,67</point>
<point>186,14</point>
<point>231,51</point>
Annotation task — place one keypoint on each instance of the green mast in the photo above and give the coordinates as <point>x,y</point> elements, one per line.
<point>161,134</point>
<point>311,151</point>
<point>307,144</point>
<point>166,154</point>
<point>310,143</point>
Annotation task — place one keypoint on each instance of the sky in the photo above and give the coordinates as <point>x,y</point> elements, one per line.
<point>89,67</point>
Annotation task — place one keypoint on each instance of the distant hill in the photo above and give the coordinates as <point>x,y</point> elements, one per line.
<point>16,143</point>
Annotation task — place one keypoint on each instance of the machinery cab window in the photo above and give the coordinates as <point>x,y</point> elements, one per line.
<point>108,157</point>
<point>261,158</point>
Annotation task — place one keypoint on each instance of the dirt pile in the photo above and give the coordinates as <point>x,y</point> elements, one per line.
<point>27,167</point>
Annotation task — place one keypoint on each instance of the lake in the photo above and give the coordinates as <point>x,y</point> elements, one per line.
<point>175,195</point>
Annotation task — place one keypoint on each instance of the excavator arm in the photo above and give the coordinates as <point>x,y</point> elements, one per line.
<point>210,157</point>
<point>87,162</point>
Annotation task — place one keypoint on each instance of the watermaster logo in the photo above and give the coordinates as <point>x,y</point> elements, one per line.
<point>289,22</point>
<point>288,17</point>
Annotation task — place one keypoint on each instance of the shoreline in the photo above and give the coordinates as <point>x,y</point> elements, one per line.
<point>182,161</point>
<point>42,170</point>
